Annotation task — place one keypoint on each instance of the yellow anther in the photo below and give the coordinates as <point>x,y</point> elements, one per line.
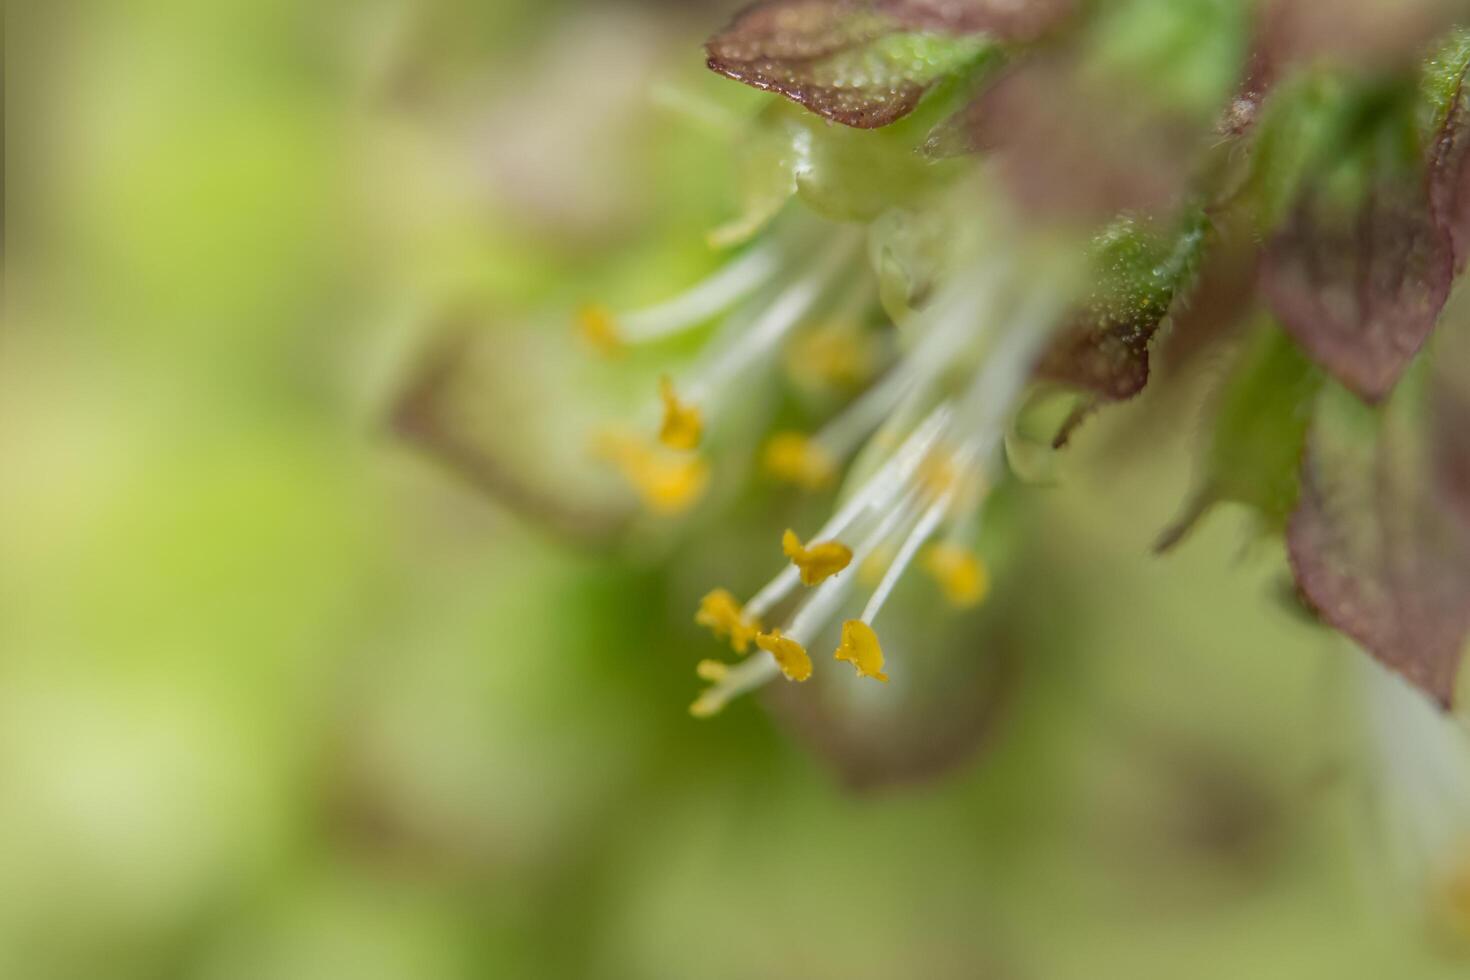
<point>722,615</point>
<point>860,648</point>
<point>961,575</point>
<point>793,458</point>
<point>836,354</point>
<point>599,330</point>
<point>790,655</point>
<point>819,561</point>
<point>708,704</point>
<point>712,670</point>
<point>666,484</point>
<point>939,475</point>
<point>682,425</point>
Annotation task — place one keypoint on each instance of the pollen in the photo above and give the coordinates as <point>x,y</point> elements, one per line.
<point>959,572</point>
<point>708,704</point>
<point>818,561</point>
<point>682,425</point>
<point>790,655</point>
<point>939,476</point>
<point>835,355</point>
<point>860,648</point>
<point>712,670</point>
<point>722,615</point>
<point>600,330</point>
<point>793,458</point>
<point>666,484</point>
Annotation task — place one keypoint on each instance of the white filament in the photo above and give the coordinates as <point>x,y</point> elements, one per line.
<point>726,287</point>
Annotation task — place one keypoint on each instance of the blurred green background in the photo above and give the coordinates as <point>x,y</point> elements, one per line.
<point>280,699</point>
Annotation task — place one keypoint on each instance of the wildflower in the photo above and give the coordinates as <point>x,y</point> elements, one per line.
<point>1341,219</point>
<point>943,218</point>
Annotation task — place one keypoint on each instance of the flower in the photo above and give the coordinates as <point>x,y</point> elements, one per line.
<point>942,217</point>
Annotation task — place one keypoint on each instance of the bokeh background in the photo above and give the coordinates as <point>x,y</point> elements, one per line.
<point>281,697</point>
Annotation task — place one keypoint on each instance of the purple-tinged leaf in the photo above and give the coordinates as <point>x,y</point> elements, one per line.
<point>1072,146</point>
<point>1449,174</point>
<point>1375,551</point>
<point>1366,36</point>
<point>1449,412</point>
<point>1451,433</point>
<point>1360,288</point>
<point>1004,20</point>
<point>867,63</point>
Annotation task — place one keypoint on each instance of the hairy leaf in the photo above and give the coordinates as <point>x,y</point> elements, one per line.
<point>1374,548</point>
<point>1449,156</point>
<point>1137,272</point>
<point>853,62</point>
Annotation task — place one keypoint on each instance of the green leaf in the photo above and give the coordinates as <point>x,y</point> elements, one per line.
<point>1259,427</point>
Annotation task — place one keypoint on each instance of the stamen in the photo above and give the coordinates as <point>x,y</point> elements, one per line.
<point>696,305</point>
<point>941,474</point>
<point>819,561</point>
<point>961,576</point>
<point>666,485</point>
<point>598,328</point>
<point>722,615</point>
<point>793,458</point>
<point>928,522</point>
<point>824,602</point>
<point>837,354</point>
<point>743,677</point>
<point>876,494</point>
<point>860,648</point>
<point>712,670</point>
<point>770,328</point>
<point>682,424</point>
<point>789,654</point>
<point>818,610</point>
<point>956,321</point>
<point>709,703</point>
